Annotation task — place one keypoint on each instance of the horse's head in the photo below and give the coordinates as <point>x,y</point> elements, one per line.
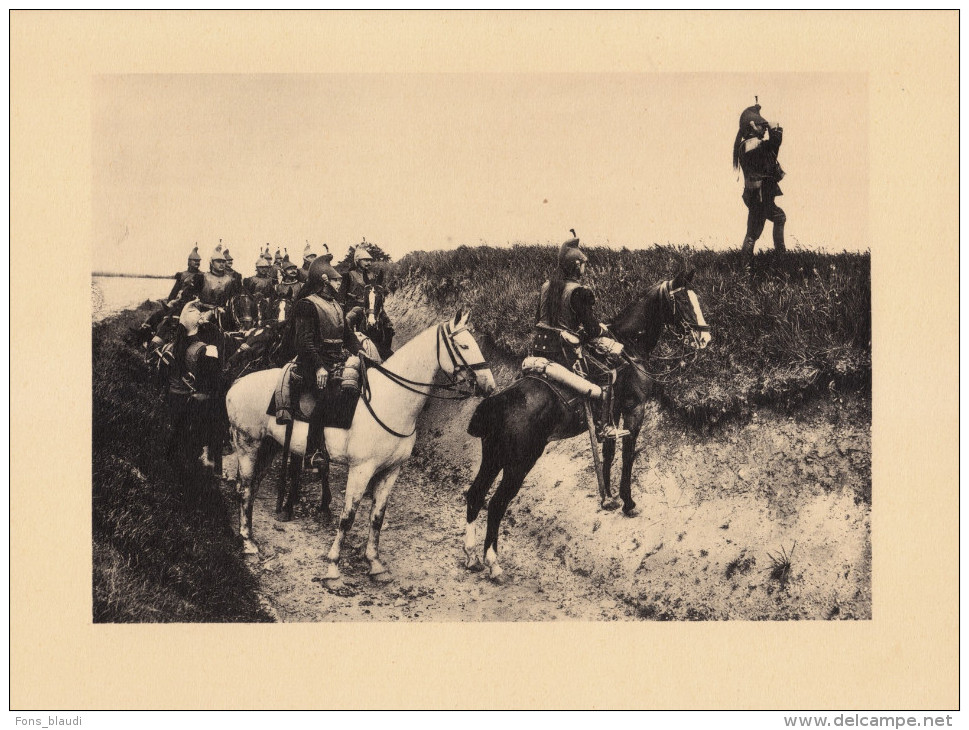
<point>464,363</point>
<point>686,314</point>
<point>244,311</point>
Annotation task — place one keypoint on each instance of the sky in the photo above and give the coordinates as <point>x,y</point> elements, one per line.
<point>435,161</point>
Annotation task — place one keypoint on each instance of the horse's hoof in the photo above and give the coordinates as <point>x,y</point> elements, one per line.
<point>334,585</point>
<point>383,576</point>
<point>634,512</point>
<point>610,504</point>
<point>474,564</point>
<point>249,547</point>
<point>285,515</point>
<point>499,579</point>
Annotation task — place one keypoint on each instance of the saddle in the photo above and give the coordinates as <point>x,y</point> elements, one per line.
<point>292,400</point>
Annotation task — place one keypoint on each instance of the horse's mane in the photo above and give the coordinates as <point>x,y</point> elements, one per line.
<point>648,293</point>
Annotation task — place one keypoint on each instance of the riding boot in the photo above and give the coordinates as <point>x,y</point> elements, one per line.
<point>608,429</point>
<point>747,251</point>
<point>317,456</point>
<point>779,235</point>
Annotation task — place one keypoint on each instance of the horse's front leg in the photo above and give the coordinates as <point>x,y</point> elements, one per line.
<point>475,497</point>
<point>634,424</point>
<point>608,455</point>
<point>357,481</point>
<point>383,485</point>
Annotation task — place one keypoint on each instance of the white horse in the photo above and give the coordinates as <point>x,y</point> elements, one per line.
<point>377,444</point>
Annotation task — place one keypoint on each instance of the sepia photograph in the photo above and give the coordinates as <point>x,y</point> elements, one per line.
<point>662,386</point>
<point>549,340</point>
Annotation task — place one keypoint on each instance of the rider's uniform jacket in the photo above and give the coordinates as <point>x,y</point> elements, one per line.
<point>354,288</point>
<point>182,279</point>
<point>288,289</point>
<point>218,290</point>
<point>575,316</point>
<point>575,313</point>
<point>323,338</point>
<point>760,165</point>
<point>261,286</point>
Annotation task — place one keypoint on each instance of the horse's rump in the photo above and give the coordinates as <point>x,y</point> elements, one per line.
<point>492,415</point>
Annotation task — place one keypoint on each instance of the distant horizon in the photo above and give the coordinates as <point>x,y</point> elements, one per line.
<point>791,249</point>
<point>434,161</point>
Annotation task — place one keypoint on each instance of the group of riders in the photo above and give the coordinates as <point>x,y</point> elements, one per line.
<point>311,312</point>
<point>334,314</point>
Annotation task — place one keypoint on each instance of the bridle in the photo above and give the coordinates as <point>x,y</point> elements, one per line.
<point>684,331</point>
<point>463,374</point>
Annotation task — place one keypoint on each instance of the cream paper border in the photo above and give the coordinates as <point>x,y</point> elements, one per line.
<point>905,657</point>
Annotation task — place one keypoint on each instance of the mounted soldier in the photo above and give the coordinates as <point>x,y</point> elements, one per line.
<point>309,256</point>
<point>231,271</point>
<point>565,322</point>
<point>185,288</point>
<point>217,286</point>
<point>263,284</point>
<point>755,153</point>
<point>277,265</point>
<point>326,349</point>
<point>290,285</point>
<point>363,301</point>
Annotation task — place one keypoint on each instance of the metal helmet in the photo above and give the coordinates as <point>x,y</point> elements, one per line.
<point>570,254</point>
<point>287,264</point>
<point>278,257</point>
<point>320,273</point>
<point>361,253</point>
<point>217,254</point>
<point>228,257</point>
<point>751,114</point>
<point>308,252</point>
<point>194,256</point>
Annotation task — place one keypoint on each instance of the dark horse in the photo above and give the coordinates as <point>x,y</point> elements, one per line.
<point>243,311</point>
<point>516,424</point>
<point>376,325</point>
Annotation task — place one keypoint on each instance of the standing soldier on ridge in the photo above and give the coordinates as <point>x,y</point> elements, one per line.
<point>755,152</point>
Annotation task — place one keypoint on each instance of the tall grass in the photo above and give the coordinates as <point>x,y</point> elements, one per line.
<point>795,326</point>
<point>161,552</point>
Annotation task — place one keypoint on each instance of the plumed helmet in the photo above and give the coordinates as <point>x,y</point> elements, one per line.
<point>320,273</point>
<point>217,254</point>
<point>287,264</point>
<point>326,255</point>
<point>228,256</point>
<point>361,253</point>
<point>308,252</point>
<point>194,256</point>
<point>278,257</point>
<point>751,114</point>
<point>570,254</point>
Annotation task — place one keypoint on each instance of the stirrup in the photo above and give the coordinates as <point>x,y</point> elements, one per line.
<point>611,433</point>
<point>317,460</point>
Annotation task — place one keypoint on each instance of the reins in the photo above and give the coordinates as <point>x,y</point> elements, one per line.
<point>459,363</point>
<point>683,330</point>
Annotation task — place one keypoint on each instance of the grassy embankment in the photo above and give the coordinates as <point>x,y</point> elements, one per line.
<point>159,554</point>
<point>797,327</point>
